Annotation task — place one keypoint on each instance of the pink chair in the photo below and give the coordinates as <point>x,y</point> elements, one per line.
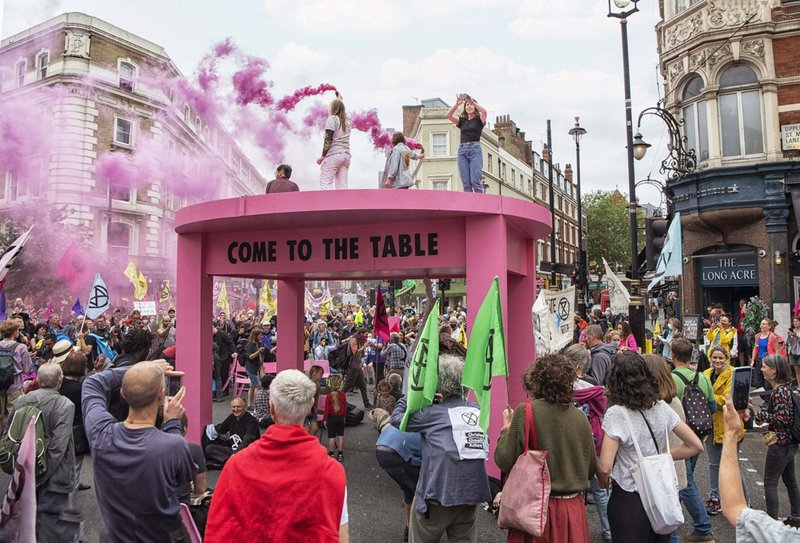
<point>188,523</point>
<point>325,365</point>
<point>241,382</point>
<point>231,371</point>
<point>271,367</point>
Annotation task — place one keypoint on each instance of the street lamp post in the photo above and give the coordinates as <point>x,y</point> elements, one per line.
<point>636,307</point>
<point>577,133</point>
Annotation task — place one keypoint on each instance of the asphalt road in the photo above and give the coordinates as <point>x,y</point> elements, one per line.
<point>375,502</point>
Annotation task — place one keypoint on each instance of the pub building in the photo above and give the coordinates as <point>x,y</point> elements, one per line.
<point>731,72</point>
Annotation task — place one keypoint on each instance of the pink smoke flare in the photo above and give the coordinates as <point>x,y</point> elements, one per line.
<point>249,87</point>
<point>288,103</point>
<point>74,269</point>
<point>367,121</point>
<point>413,144</point>
<point>316,116</point>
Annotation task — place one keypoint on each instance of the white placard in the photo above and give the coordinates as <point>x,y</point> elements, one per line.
<point>146,309</point>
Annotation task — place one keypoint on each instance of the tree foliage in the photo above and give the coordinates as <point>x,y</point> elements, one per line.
<point>608,231</point>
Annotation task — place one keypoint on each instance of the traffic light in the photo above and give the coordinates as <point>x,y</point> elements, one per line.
<point>573,274</point>
<point>444,284</point>
<point>655,233</point>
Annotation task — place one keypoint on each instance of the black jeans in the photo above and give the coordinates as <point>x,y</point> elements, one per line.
<point>402,472</point>
<point>355,379</point>
<point>628,520</point>
<point>780,465</point>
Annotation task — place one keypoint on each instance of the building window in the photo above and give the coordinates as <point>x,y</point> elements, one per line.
<point>440,183</point>
<point>513,177</point>
<point>683,5</point>
<point>22,65</point>
<point>489,162</point>
<point>694,118</point>
<point>42,63</point>
<point>12,184</point>
<point>439,144</point>
<point>187,113</point>
<point>123,132</point>
<point>740,112</point>
<point>119,239</point>
<point>127,75</point>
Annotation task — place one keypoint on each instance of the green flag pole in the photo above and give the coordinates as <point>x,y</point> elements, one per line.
<point>423,375</point>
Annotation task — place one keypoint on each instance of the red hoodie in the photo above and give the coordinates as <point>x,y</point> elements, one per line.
<point>283,488</point>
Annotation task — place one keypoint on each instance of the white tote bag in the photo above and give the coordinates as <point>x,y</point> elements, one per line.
<point>657,485</point>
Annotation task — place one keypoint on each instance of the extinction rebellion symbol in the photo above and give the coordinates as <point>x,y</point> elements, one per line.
<point>99,297</point>
<point>469,418</point>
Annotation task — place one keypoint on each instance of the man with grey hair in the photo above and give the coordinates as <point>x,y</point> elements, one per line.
<point>452,443</point>
<point>57,518</point>
<point>601,353</point>
<point>288,463</point>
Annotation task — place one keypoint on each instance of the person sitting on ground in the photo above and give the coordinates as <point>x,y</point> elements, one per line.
<point>292,490</point>
<point>261,403</point>
<point>383,396</point>
<point>137,467</point>
<point>233,434</point>
<point>396,382</point>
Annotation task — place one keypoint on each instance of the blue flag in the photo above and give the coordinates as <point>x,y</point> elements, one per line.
<point>2,300</point>
<point>77,308</point>
<point>670,261</point>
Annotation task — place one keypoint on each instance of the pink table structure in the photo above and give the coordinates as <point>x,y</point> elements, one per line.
<point>354,234</point>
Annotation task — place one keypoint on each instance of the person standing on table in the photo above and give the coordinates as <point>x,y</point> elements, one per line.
<point>470,157</point>
<point>335,159</point>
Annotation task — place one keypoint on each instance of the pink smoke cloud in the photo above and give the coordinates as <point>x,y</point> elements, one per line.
<point>288,103</point>
<point>367,121</point>
<point>250,87</point>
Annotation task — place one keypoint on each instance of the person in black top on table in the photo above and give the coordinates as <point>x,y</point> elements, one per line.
<point>470,158</point>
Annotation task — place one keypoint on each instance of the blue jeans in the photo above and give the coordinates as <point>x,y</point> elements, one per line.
<point>714,451</point>
<point>601,496</point>
<point>690,497</point>
<point>470,166</point>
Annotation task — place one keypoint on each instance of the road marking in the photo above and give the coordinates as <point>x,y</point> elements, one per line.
<point>751,470</point>
<point>760,483</point>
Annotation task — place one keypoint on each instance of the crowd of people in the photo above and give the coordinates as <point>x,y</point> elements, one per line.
<point>597,408</point>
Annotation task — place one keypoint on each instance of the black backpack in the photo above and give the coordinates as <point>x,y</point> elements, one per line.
<point>339,358</point>
<point>7,367</point>
<point>695,406</point>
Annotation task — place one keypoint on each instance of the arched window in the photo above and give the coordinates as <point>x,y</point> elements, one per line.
<point>119,239</point>
<point>694,118</point>
<point>127,75</point>
<point>740,112</point>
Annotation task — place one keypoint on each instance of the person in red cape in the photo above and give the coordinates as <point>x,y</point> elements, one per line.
<point>292,489</point>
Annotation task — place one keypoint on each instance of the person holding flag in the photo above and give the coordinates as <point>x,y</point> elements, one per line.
<point>452,443</point>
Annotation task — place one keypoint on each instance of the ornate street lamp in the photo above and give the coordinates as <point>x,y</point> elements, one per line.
<point>577,132</point>
<point>681,160</point>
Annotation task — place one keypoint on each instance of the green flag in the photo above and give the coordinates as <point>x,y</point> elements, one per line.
<point>424,371</point>
<point>486,354</point>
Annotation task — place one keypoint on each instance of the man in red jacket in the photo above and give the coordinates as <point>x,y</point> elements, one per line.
<point>293,490</point>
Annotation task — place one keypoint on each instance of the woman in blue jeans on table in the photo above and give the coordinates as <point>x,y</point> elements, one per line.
<point>470,158</point>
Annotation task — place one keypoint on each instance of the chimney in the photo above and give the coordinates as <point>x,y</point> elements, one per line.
<point>410,116</point>
<point>568,173</point>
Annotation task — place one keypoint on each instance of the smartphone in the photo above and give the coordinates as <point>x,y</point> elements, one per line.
<point>174,384</point>
<point>741,387</point>
<point>462,96</point>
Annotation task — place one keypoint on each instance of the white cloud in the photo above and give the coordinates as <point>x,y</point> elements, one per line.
<point>342,16</point>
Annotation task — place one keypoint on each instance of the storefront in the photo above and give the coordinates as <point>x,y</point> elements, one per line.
<point>727,275</point>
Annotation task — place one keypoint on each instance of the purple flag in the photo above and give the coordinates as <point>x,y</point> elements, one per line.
<point>77,308</point>
<point>3,300</point>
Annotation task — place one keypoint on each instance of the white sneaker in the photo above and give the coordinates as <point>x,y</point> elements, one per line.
<point>759,426</point>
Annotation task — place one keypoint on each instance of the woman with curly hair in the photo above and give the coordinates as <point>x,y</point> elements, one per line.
<point>564,432</point>
<point>633,391</point>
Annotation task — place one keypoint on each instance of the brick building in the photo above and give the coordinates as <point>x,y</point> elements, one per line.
<point>731,71</point>
<point>510,168</point>
<point>110,91</point>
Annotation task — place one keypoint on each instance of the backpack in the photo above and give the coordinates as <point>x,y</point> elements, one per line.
<point>339,358</point>
<point>103,347</point>
<point>10,442</point>
<point>695,405</point>
<point>7,367</point>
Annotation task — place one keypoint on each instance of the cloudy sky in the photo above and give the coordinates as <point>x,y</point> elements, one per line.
<point>531,59</point>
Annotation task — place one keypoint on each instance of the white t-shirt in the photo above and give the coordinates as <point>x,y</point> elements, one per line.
<point>662,419</point>
<point>341,137</point>
<point>345,517</point>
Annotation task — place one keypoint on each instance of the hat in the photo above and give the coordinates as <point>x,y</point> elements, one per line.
<point>61,350</point>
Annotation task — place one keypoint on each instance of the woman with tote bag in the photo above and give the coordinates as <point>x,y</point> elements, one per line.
<point>635,448</point>
<point>562,433</point>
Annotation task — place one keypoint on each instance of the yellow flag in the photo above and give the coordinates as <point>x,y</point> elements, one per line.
<point>130,272</point>
<point>270,307</point>
<point>657,329</point>
<point>326,307</point>
<point>164,296</point>
<point>140,287</point>
<point>262,297</point>
<point>359,318</point>
<point>222,300</point>
<point>462,337</point>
